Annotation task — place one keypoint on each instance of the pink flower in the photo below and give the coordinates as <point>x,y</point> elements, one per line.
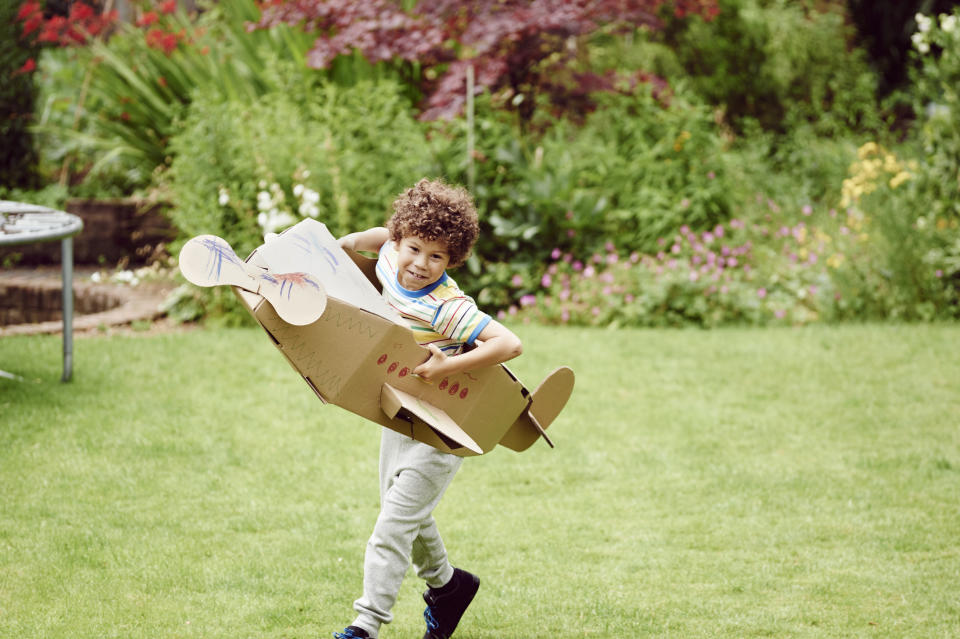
<point>578,266</point>
<point>938,273</point>
<point>780,313</point>
<point>589,271</point>
<point>685,203</point>
<point>628,298</point>
<point>718,231</point>
<point>516,280</point>
<point>675,249</point>
<point>571,233</point>
<point>761,293</point>
<point>555,254</point>
<point>711,175</point>
<point>807,209</point>
<point>546,280</point>
<point>595,311</point>
<point>528,300</point>
<point>564,316</point>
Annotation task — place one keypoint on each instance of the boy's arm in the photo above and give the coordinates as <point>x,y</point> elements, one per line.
<point>495,344</point>
<point>369,240</point>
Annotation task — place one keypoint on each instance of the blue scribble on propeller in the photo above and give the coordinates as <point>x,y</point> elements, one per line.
<point>217,252</point>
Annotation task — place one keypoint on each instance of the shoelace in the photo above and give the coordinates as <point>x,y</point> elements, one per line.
<point>432,623</point>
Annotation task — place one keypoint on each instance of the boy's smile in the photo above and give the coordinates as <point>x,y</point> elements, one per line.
<point>420,262</point>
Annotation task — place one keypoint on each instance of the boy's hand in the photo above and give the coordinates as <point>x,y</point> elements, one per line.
<point>436,365</point>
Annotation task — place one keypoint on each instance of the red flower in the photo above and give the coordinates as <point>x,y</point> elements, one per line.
<point>32,23</point>
<point>160,39</point>
<point>80,12</point>
<point>125,116</point>
<point>168,7</point>
<point>27,67</point>
<point>49,34</point>
<point>147,19</point>
<point>162,81</point>
<point>28,9</point>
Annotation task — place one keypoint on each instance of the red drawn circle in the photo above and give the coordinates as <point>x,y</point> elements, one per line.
<point>444,383</point>
<point>404,371</point>
<point>392,367</point>
<point>463,393</point>
<point>382,359</point>
<point>453,389</point>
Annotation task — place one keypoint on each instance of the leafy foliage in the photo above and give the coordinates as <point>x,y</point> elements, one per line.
<point>520,49</point>
<point>783,64</point>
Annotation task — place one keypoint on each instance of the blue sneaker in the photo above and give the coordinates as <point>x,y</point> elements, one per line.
<point>446,605</point>
<point>351,632</point>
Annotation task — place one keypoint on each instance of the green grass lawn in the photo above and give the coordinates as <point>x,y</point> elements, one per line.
<point>731,483</point>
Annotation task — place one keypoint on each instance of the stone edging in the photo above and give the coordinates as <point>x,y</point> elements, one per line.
<point>137,303</point>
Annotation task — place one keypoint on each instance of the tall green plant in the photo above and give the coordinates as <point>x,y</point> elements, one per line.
<point>141,79</point>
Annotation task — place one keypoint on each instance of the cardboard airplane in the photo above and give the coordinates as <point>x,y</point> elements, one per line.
<point>323,310</point>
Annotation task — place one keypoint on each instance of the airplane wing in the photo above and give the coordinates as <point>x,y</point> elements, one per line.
<point>393,401</point>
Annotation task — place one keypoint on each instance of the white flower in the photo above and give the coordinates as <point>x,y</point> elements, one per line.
<point>948,23</point>
<point>309,209</point>
<point>298,189</point>
<point>923,47</point>
<point>923,22</point>
<point>274,220</point>
<point>264,201</point>
<point>224,197</point>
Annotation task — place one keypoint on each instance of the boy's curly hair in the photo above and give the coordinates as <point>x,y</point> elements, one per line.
<point>433,210</point>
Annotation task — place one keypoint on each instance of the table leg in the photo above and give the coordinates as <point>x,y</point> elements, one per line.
<point>66,268</point>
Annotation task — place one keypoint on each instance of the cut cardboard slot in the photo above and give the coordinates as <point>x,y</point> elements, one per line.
<point>359,354</point>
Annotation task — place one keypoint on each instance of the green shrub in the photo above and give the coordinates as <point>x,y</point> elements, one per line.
<point>340,154</point>
<point>637,169</point>
<point>781,63</point>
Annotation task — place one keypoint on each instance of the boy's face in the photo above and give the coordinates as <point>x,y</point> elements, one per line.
<point>421,262</point>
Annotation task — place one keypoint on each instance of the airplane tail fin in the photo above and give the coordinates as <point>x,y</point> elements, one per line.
<point>547,401</point>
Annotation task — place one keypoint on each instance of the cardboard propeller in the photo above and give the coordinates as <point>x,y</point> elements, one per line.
<point>298,298</point>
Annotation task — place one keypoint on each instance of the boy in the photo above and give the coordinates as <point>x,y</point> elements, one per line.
<point>434,226</point>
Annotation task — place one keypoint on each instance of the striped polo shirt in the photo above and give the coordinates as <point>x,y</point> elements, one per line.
<point>438,314</point>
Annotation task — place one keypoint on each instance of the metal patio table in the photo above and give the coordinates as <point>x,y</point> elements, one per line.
<point>22,223</point>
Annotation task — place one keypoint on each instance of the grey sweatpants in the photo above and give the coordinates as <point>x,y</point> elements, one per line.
<point>413,478</point>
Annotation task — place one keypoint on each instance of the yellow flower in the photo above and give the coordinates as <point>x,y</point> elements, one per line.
<point>867,149</point>
<point>835,260</point>
<point>899,179</point>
